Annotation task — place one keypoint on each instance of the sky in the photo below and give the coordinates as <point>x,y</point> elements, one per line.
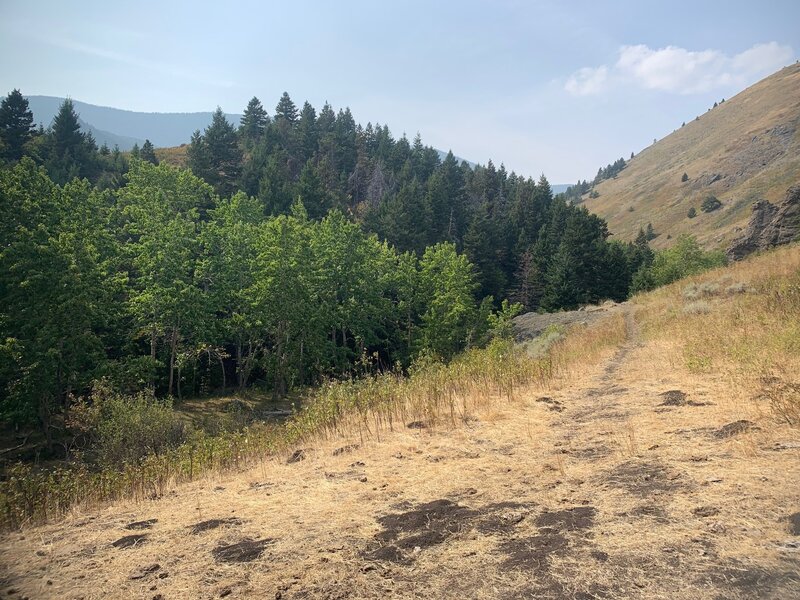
<point>553,87</point>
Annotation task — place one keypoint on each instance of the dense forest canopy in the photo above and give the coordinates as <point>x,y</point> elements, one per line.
<point>300,246</point>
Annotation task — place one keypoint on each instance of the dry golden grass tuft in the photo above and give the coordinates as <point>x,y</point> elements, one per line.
<point>645,461</point>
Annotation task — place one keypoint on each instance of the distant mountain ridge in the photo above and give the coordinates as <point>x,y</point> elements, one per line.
<point>124,128</point>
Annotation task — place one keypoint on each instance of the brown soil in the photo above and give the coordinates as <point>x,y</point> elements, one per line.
<point>240,552</point>
<point>129,541</point>
<point>147,524</point>
<point>210,524</point>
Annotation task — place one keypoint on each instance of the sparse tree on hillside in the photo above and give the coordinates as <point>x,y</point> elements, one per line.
<point>148,153</point>
<point>692,212</point>
<point>684,178</point>
<point>16,125</point>
<point>710,204</point>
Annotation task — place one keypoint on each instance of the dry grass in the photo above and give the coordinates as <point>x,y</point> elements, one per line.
<point>760,124</point>
<point>610,489</point>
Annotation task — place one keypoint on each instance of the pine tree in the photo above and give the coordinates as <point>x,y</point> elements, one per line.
<point>16,125</point>
<point>253,122</point>
<point>224,155</point>
<point>70,153</point>
<point>198,156</point>
<point>307,132</point>
<point>286,109</point>
<point>148,153</point>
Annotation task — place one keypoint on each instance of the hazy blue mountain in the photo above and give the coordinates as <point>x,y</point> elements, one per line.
<point>443,154</point>
<point>559,188</point>
<point>126,127</point>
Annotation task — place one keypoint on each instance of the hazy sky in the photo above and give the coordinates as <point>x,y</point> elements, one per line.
<point>542,86</point>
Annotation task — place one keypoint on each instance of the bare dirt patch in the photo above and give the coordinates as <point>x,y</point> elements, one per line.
<point>412,531</point>
<point>794,523</point>
<point>747,581</point>
<point>210,524</point>
<point>130,541</point>
<point>533,554</point>
<point>735,428</point>
<point>644,478</point>
<point>571,519</point>
<point>296,456</point>
<point>241,552</point>
<point>552,404</point>
<point>137,525</point>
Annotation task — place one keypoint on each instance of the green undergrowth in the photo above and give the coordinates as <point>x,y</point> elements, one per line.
<point>438,394</point>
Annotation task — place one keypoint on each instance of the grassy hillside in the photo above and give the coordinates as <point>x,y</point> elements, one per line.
<point>653,455</point>
<point>175,156</point>
<point>746,148</point>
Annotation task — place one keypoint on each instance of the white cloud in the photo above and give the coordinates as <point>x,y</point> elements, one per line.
<point>587,81</point>
<point>681,71</point>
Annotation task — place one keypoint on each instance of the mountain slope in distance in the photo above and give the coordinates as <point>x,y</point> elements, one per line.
<point>746,148</point>
<point>126,126</point>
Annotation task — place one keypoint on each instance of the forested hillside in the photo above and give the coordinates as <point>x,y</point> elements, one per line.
<point>300,246</point>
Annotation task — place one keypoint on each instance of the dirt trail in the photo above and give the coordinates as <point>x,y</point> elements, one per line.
<point>626,480</point>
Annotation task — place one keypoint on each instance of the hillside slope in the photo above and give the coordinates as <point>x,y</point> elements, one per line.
<point>745,149</point>
<point>655,468</point>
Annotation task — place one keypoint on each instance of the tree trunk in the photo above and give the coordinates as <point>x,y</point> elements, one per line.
<point>173,349</point>
<point>153,342</point>
<point>239,367</point>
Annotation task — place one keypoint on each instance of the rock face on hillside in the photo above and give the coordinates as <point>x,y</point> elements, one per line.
<point>770,225</point>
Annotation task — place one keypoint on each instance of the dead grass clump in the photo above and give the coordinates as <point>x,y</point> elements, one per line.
<point>736,288</point>
<point>699,307</point>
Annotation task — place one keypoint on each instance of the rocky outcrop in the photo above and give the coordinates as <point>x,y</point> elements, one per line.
<point>770,225</point>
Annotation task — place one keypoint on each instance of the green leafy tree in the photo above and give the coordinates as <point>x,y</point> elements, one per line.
<point>450,313</point>
<point>55,292</point>
<point>163,208</point>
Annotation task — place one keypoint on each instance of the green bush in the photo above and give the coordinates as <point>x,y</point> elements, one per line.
<point>710,204</point>
<point>692,213</point>
<point>125,429</point>
<point>685,258</point>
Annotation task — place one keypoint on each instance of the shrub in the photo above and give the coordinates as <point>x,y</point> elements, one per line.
<point>684,258</point>
<point>692,213</point>
<point>736,288</point>
<point>710,204</point>
<point>125,429</point>
<point>685,178</point>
